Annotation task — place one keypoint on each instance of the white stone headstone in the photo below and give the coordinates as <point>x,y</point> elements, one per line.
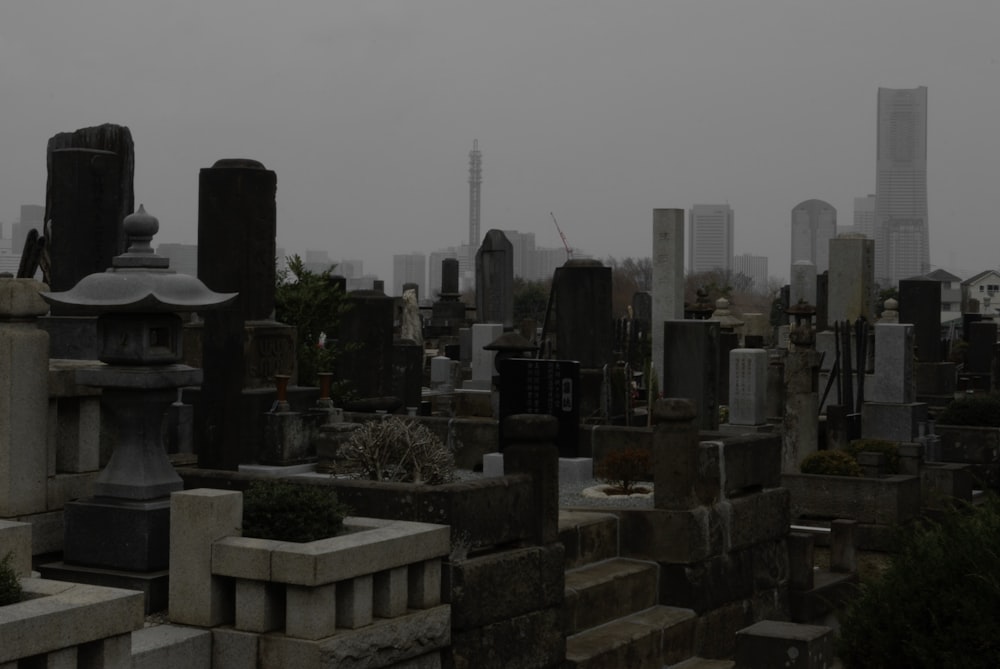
<point>668,277</point>
<point>747,386</point>
<point>482,360</point>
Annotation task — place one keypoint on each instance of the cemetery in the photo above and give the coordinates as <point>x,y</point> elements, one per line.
<point>141,405</point>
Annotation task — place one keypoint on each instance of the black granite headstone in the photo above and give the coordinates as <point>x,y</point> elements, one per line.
<point>920,305</point>
<point>366,327</point>
<point>543,387</point>
<point>584,328</point>
<point>691,366</point>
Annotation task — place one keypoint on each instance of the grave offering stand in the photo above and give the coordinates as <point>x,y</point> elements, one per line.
<point>125,526</point>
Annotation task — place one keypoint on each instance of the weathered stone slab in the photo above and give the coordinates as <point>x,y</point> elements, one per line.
<point>886,501</point>
<point>770,643</point>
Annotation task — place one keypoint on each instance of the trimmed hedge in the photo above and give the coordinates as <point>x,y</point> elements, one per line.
<point>291,512</point>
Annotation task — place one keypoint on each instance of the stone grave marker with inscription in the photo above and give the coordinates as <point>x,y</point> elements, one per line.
<point>548,387</point>
<point>748,386</point>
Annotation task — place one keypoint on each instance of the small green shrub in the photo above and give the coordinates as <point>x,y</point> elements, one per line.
<point>291,512</point>
<point>10,586</point>
<point>937,603</point>
<point>623,469</point>
<point>888,448</point>
<point>398,449</point>
<point>830,463</point>
<point>972,410</point>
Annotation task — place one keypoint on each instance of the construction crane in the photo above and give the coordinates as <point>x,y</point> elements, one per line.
<point>569,251</point>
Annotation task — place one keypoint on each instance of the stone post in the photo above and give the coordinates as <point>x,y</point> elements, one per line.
<point>88,195</point>
<point>495,280</point>
<point>675,454</point>
<point>668,277</point>
<point>801,418</point>
<point>530,448</point>
<point>24,399</point>
<point>843,554</point>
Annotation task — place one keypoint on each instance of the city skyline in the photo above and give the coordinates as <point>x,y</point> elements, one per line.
<point>593,111</point>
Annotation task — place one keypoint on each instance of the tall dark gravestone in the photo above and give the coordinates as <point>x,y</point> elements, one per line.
<point>584,328</point>
<point>367,326</point>
<point>549,387</point>
<point>495,280</point>
<point>920,305</point>
<point>448,312</point>
<point>691,366</point>
<point>242,348</point>
<point>87,196</point>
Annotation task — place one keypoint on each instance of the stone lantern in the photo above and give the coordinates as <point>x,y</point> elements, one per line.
<point>125,525</point>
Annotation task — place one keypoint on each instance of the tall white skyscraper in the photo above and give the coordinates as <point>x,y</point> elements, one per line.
<point>901,237</point>
<point>814,224</point>
<point>710,243</point>
<point>864,216</point>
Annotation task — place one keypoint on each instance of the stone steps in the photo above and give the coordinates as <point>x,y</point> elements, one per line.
<point>647,639</point>
<point>599,592</point>
<point>588,536</point>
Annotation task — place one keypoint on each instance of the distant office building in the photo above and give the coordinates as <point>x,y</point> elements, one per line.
<point>710,244</point>
<point>754,268</point>
<point>349,269</point>
<point>864,216</point>
<point>901,233</point>
<point>318,262</point>
<point>409,268</point>
<point>814,224</point>
<point>183,257</point>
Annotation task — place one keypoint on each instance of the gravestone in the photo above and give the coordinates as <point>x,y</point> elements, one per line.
<point>584,328</point>
<point>690,366</point>
<point>822,301</point>
<point>642,305</point>
<point>87,196</point>
<point>407,372</point>
<point>747,386</point>
<point>495,280</point>
<point>482,360</point>
<point>367,325</point>
<point>851,279</point>
<point>548,387</point>
<point>893,378</point>
<point>241,348</point>
<point>920,304</point>
<point>668,277</point>
<point>448,312</point>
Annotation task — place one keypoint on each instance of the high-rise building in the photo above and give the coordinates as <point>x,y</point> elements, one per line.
<point>710,244</point>
<point>475,187</point>
<point>409,268</point>
<point>864,216</point>
<point>814,224</point>
<point>901,235</point>
<point>754,269</point>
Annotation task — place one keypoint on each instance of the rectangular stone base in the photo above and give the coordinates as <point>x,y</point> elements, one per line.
<point>895,422</point>
<point>118,534</point>
<point>154,585</point>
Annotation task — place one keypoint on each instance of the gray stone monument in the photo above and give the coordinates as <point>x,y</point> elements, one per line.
<point>495,280</point>
<point>668,276</point>
<point>852,279</point>
<point>803,283</point>
<point>748,386</point>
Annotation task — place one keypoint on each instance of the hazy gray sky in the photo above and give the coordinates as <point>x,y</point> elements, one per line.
<point>597,111</point>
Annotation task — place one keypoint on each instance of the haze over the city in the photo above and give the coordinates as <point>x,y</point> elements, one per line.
<point>596,111</point>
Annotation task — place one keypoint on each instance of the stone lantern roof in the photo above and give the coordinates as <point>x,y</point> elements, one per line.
<point>139,281</point>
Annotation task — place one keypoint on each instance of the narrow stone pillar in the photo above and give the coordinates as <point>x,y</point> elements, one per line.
<point>530,448</point>
<point>495,280</point>
<point>24,398</point>
<point>668,277</point>
<point>675,454</point>
<point>843,552</point>
<point>800,560</point>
